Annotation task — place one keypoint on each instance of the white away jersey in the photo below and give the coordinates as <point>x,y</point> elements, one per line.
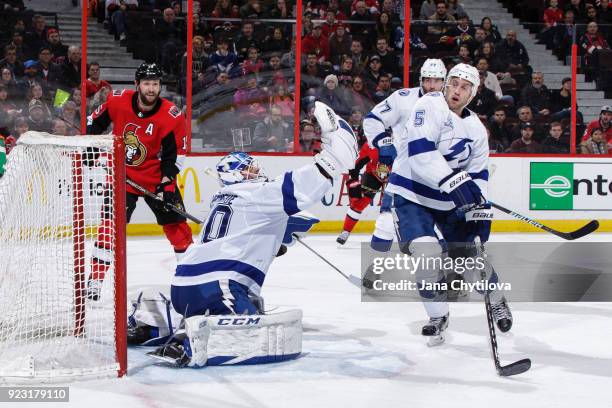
<point>438,142</point>
<point>392,113</point>
<point>245,227</point>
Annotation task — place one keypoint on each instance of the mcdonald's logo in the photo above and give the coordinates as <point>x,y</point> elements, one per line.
<point>181,179</point>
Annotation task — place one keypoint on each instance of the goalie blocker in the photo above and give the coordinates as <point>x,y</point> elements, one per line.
<point>214,340</point>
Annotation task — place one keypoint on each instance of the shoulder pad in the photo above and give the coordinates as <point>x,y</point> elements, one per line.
<point>404,92</point>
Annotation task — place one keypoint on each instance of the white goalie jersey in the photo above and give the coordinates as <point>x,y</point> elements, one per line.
<point>438,142</point>
<point>245,228</point>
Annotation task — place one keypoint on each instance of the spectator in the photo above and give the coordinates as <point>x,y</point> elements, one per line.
<point>199,27</point>
<point>249,100</point>
<point>441,21</point>
<point>59,128</point>
<point>251,10</point>
<point>553,143</point>
<point>536,95</point>
<point>332,97</point>
<point>38,121</point>
<point>360,59</point>
<point>552,15</point>
<point>48,72</point>
<point>117,10</point>
<point>253,64</point>
<point>345,73</point>
<point>8,80</point>
<point>316,43</point>
<point>223,60</point>
<point>428,8</point>
<point>58,49</point>
<point>605,11</point>
<point>561,102</point>
<point>495,146</point>
<point>384,28</point>
<point>309,143</point>
<point>463,55</point>
<point>71,69</point>
<point>483,103</point>
<point>499,130</point>
<point>562,37</point>
<point>245,40</point>
<point>360,96</point>
<point>281,98</point>
<point>11,62</point>
<point>273,133</point>
<point>383,90</point>
<point>480,37</point>
<point>389,7</point>
<point>275,74</point>
<point>595,143</point>
<point>276,42</point>
<point>339,44</point>
<point>604,123</point>
<point>99,98</point>
<point>356,123</point>
<point>491,81</point>
<point>75,96</point>
<point>36,93</point>
<point>170,36</point>
<point>29,79</point>
<point>416,43</point>
<point>455,9</point>
<point>491,31</point>
<point>217,97</point>
<point>460,34</point>
<point>329,25</point>
<point>388,59</point>
<point>223,9</point>
<point>372,74</point>
<point>526,143</point>
<point>17,42</point>
<point>363,15</point>
<point>514,52</point>
<point>94,83</point>
<point>70,116</point>
<point>334,5</point>
<point>592,42</point>
<point>525,115</point>
<point>19,128</point>
<point>37,37</point>
<point>280,10</point>
<point>579,10</point>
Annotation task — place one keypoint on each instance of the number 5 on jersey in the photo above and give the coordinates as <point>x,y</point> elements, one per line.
<point>419,118</point>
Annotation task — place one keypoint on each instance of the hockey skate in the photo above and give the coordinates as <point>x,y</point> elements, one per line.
<point>343,237</point>
<point>172,353</point>
<point>502,314</point>
<point>325,117</point>
<point>94,289</point>
<point>434,330</point>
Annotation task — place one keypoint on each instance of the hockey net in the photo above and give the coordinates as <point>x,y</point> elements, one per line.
<point>53,195</point>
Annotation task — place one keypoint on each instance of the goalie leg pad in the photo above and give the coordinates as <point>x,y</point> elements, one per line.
<point>254,339</point>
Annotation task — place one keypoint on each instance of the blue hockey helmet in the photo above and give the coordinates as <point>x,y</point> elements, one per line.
<point>239,167</point>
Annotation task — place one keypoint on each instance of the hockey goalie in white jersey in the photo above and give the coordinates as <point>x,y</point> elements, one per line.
<point>440,178</point>
<point>217,283</point>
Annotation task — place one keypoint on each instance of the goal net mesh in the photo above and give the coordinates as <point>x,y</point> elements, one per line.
<point>53,196</point>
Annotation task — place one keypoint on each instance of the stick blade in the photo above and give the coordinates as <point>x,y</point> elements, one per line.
<point>515,368</point>
<point>585,230</point>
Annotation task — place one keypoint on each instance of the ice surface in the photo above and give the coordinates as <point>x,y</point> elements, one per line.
<point>371,354</point>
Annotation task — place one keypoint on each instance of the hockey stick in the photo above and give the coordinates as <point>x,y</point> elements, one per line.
<point>351,278</point>
<point>570,236</point>
<point>167,206</point>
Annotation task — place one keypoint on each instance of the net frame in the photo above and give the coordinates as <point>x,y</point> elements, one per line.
<point>78,233</point>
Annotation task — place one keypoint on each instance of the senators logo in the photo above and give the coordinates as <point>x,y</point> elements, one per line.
<point>382,172</point>
<point>135,152</point>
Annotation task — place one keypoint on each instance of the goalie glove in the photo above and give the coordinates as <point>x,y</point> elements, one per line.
<point>338,155</point>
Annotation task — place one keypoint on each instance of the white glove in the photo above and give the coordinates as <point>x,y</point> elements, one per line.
<point>339,152</point>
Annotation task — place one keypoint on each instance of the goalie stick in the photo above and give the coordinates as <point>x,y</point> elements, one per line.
<point>570,236</point>
<point>167,206</point>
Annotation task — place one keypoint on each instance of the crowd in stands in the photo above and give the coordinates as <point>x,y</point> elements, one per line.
<point>244,67</point>
<point>39,76</point>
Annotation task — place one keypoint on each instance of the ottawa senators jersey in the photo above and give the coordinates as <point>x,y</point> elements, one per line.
<point>368,156</point>
<point>155,141</point>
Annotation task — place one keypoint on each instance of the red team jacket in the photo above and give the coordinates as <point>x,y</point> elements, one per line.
<point>155,141</point>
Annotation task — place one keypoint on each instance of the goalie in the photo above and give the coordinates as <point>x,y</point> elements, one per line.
<point>217,284</point>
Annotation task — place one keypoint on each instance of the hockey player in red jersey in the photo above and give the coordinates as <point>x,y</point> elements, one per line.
<point>362,192</point>
<point>155,139</point>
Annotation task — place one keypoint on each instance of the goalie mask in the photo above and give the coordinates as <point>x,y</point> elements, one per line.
<point>239,167</point>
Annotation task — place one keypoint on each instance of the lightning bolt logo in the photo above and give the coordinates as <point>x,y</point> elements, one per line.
<point>228,297</point>
<point>457,149</point>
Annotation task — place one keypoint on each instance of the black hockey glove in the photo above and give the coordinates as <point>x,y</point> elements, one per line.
<point>354,188</point>
<point>166,191</point>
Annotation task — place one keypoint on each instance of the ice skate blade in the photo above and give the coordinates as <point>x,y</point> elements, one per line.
<point>434,341</point>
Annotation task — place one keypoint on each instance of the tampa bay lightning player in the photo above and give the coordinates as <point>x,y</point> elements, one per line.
<point>393,113</point>
<point>440,179</point>
<point>220,275</point>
